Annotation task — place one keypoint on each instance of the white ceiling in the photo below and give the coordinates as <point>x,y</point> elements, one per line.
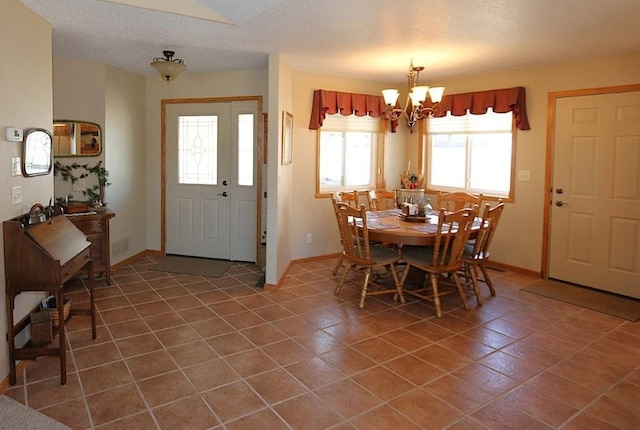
<point>369,39</point>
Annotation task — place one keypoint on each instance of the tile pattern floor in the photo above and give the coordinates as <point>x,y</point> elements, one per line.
<point>185,352</point>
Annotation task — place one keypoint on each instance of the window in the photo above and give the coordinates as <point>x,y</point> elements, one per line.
<point>473,153</point>
<point>245,149</point>
<point>347,148</point>
<point>198,150</point>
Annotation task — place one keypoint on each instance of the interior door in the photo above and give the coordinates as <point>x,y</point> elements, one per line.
<point>595,214</point>
<point>210,189</point>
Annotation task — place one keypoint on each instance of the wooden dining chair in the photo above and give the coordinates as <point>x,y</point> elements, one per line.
<point>454,201</point>
<point>476,253</point>
<point>443,260</point>
<point>349,197</point>
<point>361,256</point>
<point>380,199</point>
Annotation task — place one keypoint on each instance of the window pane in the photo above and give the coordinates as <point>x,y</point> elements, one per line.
<point>245,149</point>
<point>490,163</point>
<point>358,154</point>
<point>448,160</point>
<point>198,150</point>
<point>473,153</point>
<point>346,153</point>
<point>331,159</point>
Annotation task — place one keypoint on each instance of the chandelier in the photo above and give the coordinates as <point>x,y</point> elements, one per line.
<point>168,67</point>
<point>414,108</point>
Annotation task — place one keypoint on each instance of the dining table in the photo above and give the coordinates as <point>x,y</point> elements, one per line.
<point>394,227</point>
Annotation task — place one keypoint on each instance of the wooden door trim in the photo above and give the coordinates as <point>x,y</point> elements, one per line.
<point>163,160</point>
<point>548,181</point>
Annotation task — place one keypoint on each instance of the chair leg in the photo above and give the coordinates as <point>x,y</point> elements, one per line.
<point>463,296</point>
<point>433,278</point>
<point>405,273</point>
<point>338,265</point>
<point>363,293</point>
<point>396,280</point>
<point>473,272</point>
<point>487,279</point>
<point>342,279</point>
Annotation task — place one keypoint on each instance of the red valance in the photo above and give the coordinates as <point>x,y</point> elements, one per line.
<point>327,102</point>
<point>502,101</point>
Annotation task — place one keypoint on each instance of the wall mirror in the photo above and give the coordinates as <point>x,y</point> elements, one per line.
<point>73,138</point>
<point>36,152</point>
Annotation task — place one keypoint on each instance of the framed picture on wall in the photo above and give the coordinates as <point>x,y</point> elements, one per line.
<point>287,137</point>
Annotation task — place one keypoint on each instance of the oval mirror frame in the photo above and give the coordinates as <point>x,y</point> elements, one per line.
<point>36,152</point>
<point>76,138</point>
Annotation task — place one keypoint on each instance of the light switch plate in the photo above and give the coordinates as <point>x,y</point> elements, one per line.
<point>16,195</point>
<point>15,166</point>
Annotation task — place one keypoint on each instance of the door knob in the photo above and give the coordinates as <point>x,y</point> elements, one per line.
<point>560,203</point>
<point>223,194</point>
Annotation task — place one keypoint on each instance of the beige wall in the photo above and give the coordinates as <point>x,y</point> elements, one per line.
<point>280,211</point>
<point>125,159</point>
<point>27,100</point>
<point>114,99</point>
<point>78,94</point>
<point>315,215</point>
<point>518,241</point>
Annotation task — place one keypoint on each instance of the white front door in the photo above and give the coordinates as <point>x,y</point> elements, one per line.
<point>211,186</point>
<point>595,212</point>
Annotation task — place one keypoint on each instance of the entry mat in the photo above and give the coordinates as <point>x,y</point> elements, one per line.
<point>599,301</point>
<point>192,265</point>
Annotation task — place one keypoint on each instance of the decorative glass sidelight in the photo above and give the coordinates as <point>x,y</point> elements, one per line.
<point>198,149</point>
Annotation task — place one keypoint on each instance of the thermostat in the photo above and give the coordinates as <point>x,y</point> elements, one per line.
<point>14,134</point>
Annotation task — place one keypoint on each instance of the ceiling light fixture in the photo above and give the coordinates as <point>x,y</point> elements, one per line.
<point>414,108</point>
<point>168,66</point>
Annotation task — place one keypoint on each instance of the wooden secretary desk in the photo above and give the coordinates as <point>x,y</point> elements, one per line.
<point>42,257</point>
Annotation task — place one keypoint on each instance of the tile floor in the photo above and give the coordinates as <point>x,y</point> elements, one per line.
<point>185,352</point>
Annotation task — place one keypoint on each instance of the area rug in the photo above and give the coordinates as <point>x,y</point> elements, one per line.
<point>192,266</point>
<point>588,298</point>
<point>15,415</point>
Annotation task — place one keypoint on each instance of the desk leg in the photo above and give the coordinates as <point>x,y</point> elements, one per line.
<point>12,345</point>
<point>92,301</point>
<point>62,336</point>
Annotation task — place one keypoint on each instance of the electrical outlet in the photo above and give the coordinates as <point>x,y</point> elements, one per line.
<point>15,166</point>
<point>16,195</point>
<point>524,175</point>
<point>309,238</point>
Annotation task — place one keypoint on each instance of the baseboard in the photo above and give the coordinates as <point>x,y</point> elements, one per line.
<point>5,385</point>
<point>508,268</point>
<point>127,261</point>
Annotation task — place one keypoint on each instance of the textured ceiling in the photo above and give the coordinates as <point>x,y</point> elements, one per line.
<point>369,39</point>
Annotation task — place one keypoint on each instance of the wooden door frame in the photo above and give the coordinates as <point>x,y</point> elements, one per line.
<point>163,159</point>
<point>548,182</point>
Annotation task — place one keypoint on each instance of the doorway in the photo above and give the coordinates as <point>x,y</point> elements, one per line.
<point>592,213</point>
<point>211,168</point>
